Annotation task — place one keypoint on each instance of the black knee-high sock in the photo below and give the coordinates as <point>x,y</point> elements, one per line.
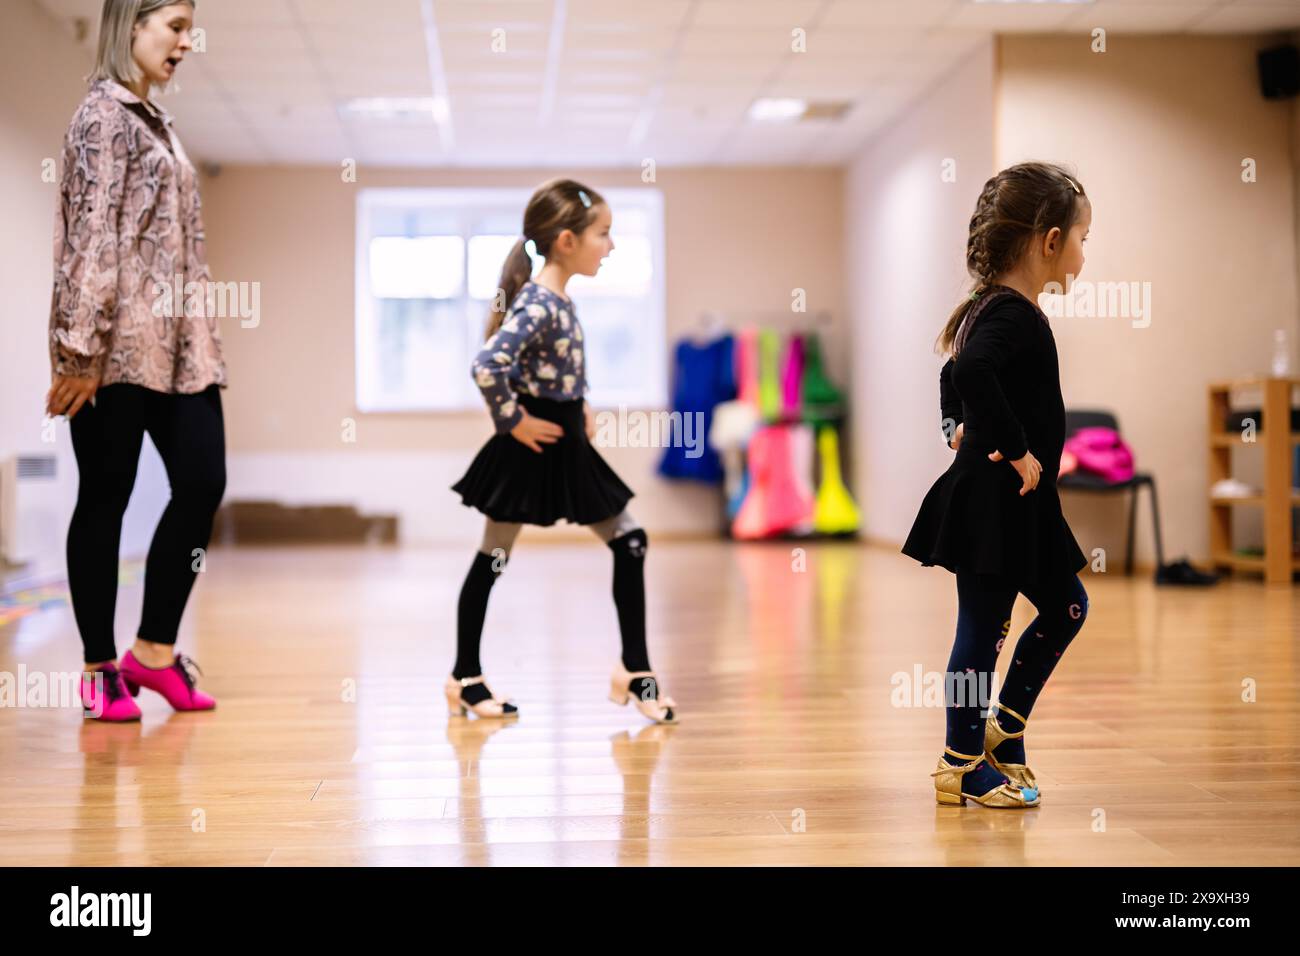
<point>471,611</point>
<point>629,596</point>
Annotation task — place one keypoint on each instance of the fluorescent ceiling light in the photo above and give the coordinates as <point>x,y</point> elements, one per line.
<point>407,109</point>
<point>774,109</point>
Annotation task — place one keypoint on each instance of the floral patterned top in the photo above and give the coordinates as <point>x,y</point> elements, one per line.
<point>537,349</point>
<point>128,226</point>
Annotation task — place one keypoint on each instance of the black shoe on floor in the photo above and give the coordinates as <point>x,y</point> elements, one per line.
<point>1180,572</point>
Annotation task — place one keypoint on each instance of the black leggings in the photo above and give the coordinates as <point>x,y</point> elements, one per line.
<point>189,434</point>
<point>984,604</point>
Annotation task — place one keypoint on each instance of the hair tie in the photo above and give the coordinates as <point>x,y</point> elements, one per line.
<point>530,247</point>
<point>976,294</point>
<point>586,200</point>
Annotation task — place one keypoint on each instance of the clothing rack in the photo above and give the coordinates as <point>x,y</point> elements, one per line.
<point>801,494</point>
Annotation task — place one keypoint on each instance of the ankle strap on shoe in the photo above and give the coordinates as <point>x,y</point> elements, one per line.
<point>1024,721</point>
<point>958,768</point>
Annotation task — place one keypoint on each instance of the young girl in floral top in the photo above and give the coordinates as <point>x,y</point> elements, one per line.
<point>540,466</point>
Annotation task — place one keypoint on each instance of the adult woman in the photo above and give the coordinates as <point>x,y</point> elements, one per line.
<point>127,358</point>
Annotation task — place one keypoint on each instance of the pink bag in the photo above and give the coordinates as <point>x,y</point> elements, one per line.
<point>1102,452</point>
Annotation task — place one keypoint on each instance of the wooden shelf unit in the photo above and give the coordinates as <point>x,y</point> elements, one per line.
<point>1279,562</point>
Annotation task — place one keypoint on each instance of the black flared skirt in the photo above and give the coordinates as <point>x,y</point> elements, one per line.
<point>568,479</point>
<point>974,518</point>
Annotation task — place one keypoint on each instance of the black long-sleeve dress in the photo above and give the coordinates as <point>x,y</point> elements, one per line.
<point>1004,384</point>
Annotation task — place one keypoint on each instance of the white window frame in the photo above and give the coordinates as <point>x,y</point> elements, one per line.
<point>653,395</point>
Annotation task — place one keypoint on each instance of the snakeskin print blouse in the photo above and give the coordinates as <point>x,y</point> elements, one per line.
<point>538,349</point>
<point>128,226</point>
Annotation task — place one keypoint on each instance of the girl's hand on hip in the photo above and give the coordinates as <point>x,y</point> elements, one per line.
<point>1028,468</point>
<point>67,394</point>
<point>955,443</point>
<point>535,432</point>
<point>590,417</point>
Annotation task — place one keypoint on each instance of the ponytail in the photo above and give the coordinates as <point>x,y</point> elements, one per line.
<point>947,342</point>
<point>517,270</point>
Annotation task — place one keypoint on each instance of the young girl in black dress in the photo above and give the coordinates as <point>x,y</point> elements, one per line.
<point>994,518</point>
<point>540,466</point>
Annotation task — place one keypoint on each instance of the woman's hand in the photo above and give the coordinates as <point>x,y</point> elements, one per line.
<point>1028,467</point>
<point>535,432</point>
<point>590,417</point>
<point>956,436</point>
<point>67,394</point>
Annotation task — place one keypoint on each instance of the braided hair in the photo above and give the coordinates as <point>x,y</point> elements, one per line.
<point>1014,206</point>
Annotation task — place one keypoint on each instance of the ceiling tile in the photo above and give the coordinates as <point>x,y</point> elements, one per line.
<point>671,79</point>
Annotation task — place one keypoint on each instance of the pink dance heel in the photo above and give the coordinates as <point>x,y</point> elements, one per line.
<point>657,707</point>
<point>175,682</point>
<point>457,705</point>
<point>107,700</point>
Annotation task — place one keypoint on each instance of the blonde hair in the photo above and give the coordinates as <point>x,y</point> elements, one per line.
<point>114,61</point>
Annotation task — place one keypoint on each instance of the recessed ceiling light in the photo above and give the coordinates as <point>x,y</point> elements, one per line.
<point>771,109</point>
<point>776,109</point>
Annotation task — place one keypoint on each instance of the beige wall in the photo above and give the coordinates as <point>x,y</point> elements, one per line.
<point>41,83</point>
<point>1295,171</point>
<point>735,240</point>
<point>1157,128</point>
<point>33,119</point>
<point>906,240</point>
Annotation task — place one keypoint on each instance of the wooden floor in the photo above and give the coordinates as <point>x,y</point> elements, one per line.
<point>791,749</point>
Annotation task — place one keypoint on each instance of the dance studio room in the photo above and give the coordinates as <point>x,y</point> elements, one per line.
<point>679,433</point>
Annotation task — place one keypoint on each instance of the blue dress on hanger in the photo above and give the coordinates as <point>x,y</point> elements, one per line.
<point>703,376</point>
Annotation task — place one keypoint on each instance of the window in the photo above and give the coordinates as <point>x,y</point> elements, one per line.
<point>428,263</point>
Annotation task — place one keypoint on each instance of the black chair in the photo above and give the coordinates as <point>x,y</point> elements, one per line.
<point>1085,481</point>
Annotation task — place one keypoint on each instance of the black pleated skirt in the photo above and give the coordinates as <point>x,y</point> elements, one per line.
<point>568,479</point>
<point>974,518</point>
